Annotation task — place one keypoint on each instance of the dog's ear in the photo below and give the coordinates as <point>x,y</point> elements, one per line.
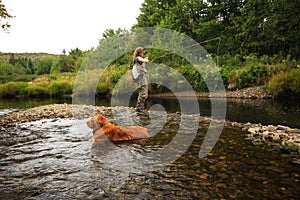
<point>100,119</point>
<point>95,124</point>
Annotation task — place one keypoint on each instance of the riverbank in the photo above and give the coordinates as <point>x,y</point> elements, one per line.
<point>246,93</point>
<point>286,138</point>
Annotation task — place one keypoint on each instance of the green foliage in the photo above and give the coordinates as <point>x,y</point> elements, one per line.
<point>252,76</point>
<point>4,78</point>
<point>251,70</point>
<point>8,69</point>
<point>115,73</point>
<point>245,27</point>
<point>251,42</point>
<point>13,89</point>
<point>43,66</point>
<point>65,64</point>
<point>125,85</point>
<point>286,83</point>
<point>102,89</point>
<point>86,82</point>
<point>20,64</point>
<point>38,89</point>
<point>194,78</point>
<point>60,88</point>
<point>61,84</point>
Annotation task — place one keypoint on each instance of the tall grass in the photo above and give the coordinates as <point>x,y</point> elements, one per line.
<point>12,89</point>
<point>42,86</point>
<point>60,88</point>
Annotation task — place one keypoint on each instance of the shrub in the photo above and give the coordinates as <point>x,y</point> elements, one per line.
<point>8,69</point>
<point>59,88</point>
<point>125,85</point>
<point>102,88</point>
<point>286,83</point>
<point>193,77</point>
<point>12,89</point>
<point>43,65</point>
<point>115,73</point>
<point>229,61</point>
<point>253,76</point>
<point>86,82</point>
<point>38,89</point>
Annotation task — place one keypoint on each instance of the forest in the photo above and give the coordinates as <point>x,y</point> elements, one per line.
<point>253,42</point>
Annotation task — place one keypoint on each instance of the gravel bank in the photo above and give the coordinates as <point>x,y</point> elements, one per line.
<point>246,93</point>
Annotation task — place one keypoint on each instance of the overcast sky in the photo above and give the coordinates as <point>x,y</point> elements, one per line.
<point>53,25</point>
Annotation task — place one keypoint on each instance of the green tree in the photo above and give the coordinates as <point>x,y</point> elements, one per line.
<point>111,32</point>
<point>153,11</point>
<point>12,60</point>
<point>70,62</point>
<point>8,69</point>
<point>261,27</point>
<point>268,27</point>
<point>65,64</point>
<point>43,66</point>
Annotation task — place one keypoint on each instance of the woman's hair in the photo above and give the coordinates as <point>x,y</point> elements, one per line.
<point>138,52</point>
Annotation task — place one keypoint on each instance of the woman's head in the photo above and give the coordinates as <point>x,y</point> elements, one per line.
<point>138,52</point>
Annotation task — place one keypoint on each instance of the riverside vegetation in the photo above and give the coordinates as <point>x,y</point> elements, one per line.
<point>31,75</point>
<point>253,43</point>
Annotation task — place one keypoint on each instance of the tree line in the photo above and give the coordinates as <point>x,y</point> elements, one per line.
<point>27,66</point>
<point>260,27</point>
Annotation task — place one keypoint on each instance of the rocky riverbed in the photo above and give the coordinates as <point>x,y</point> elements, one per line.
<point>286,138</point>
<point>246,93</point>
<point>47,153</point>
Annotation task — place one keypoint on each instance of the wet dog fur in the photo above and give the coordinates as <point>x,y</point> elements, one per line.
<point>103,130</point>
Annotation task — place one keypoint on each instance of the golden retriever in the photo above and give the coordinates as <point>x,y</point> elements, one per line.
<point>102,127</point>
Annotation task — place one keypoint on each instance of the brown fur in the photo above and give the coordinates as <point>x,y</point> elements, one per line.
<point>102,127</point>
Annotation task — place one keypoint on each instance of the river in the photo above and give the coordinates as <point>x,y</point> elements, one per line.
<point>49,159</point>
<point>264,111</point>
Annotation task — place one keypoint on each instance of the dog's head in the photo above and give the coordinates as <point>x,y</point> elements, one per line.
<point>96,122</point>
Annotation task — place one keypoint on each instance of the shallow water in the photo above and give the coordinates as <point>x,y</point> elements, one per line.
<point>57,159</point>
<point>241,110</point>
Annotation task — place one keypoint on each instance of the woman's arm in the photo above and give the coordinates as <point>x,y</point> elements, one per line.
<point>145,60</point>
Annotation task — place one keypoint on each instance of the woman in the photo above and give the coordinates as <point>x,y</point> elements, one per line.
<point>138,58</point>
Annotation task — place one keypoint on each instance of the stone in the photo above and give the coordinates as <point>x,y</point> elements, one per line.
<point>252,130</point>
<point>265,133</point>
<point>271,128</point>
<point>283,136</point>
<point>284,128</point>
<point>276,137</point>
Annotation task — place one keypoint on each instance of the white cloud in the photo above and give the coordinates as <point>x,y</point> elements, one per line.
<point>53,25</point>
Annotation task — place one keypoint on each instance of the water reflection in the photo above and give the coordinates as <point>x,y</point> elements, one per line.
<point>245,110</point>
